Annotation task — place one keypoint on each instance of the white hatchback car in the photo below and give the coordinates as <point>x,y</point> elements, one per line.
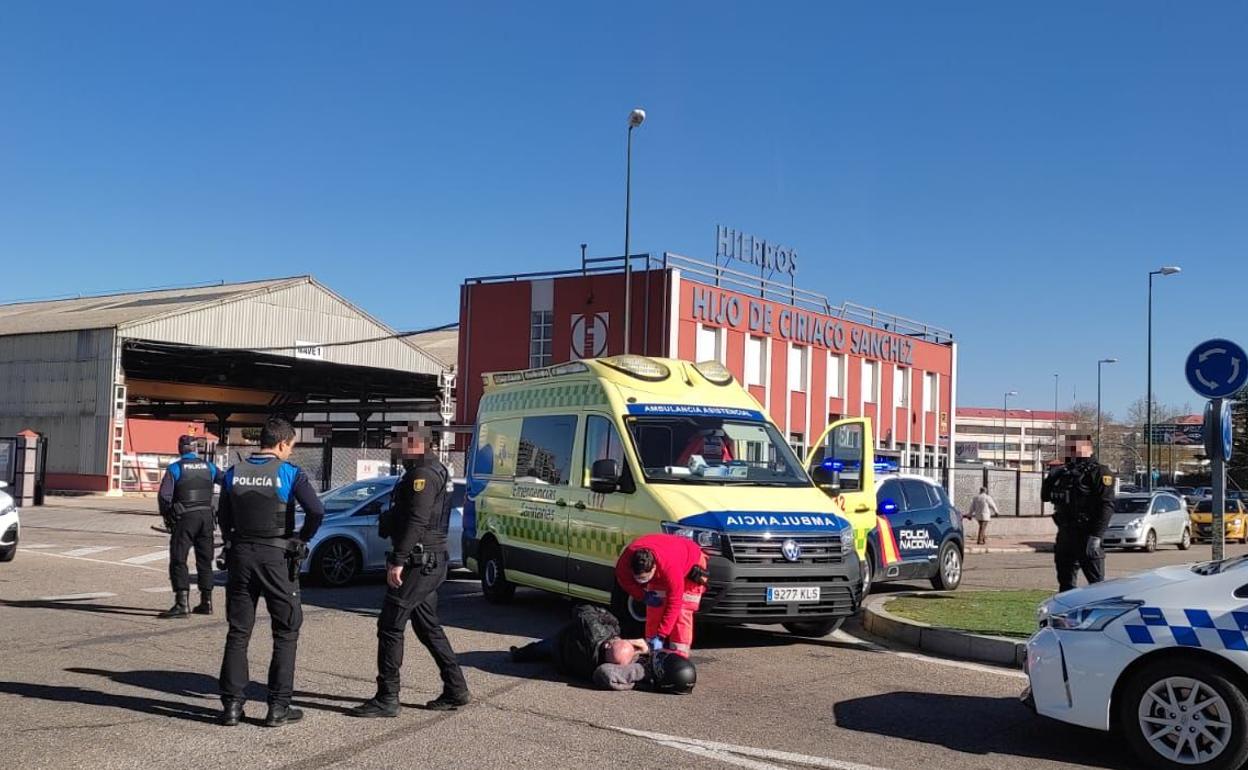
<point>1160,657</point>
<point>10,525</point>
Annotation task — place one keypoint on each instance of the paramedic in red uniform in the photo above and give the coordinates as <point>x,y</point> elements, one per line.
<point>669,574</point>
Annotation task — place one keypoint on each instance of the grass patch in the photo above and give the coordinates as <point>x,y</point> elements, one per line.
<point>998,613</point>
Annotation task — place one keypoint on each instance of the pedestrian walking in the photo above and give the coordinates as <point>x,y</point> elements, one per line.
<point>983,508</point>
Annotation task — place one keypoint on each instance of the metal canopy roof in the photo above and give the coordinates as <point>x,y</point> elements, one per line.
<point>110,311</point>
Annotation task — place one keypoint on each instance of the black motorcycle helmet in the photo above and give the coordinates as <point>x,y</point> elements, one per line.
<point>673,673</point>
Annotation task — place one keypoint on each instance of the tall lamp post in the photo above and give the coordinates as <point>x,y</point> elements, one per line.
<point>635,119</point>
<point>1056,380</point>
<point>1148,397</point>
<point>1099,366</point>
<point>1005,419</point>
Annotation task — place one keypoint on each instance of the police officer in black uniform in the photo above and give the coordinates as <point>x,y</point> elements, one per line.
<point>1082,493</point>
<point>415,568</point>
<point>185,502</point>
<point>264,553</point>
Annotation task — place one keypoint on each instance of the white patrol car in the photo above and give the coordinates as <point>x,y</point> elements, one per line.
<point>10,526</point>
<point>1160,657</point>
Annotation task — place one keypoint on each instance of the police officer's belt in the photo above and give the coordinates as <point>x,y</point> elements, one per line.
<point>291,543</point>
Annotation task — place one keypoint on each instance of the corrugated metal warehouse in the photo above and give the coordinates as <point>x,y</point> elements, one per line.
<point>74,370</point>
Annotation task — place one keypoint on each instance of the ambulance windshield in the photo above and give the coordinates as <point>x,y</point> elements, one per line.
<point>711,450</point>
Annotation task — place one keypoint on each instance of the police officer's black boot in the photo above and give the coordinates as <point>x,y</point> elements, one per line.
<point>205,604</point>
<point>377,706</point>
<point>231,712</point>
<point>279,714</point>
<point>448,701</point>
<point>181,606</point>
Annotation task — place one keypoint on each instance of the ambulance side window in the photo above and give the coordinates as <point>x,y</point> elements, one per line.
<point>545,449</point>
<point>602,442</point>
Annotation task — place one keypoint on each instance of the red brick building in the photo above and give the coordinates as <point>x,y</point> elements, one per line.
<point>805,359</point>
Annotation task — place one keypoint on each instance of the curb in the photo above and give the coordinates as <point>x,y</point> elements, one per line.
<point>982,549</point>
<point>996,650</point>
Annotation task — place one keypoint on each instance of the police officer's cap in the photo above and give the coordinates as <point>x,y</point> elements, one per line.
<point>187,444</point>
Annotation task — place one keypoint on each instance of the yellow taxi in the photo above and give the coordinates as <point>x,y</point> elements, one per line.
<point>1235,521</point>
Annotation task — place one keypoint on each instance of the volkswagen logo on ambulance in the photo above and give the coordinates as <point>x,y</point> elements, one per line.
<point>791,550</point>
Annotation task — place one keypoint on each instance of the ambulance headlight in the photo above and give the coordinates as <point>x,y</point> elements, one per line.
<point>1091,617</point>
<point>847,540</point>
<point>710,540</point>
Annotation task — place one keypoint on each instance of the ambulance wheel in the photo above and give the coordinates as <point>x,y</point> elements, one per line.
<point>1186,541</point>
<point>1150,541</point>
<point>1157,714</point>
<point>948,568</point>
<point>494,583</point>
<point>814,629</point>
<point>630,612</point>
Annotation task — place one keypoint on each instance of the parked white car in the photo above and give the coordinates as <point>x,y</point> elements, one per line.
<point>10,525</point>
<point>1160,657</point>
<point>1146,521</point>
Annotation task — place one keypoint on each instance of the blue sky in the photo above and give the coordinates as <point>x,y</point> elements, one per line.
<point>1010,171</point>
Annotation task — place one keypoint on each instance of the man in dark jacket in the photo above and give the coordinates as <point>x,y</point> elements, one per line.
<point>1082,494</point>
<point>589,639</point>
<point>185,503</point>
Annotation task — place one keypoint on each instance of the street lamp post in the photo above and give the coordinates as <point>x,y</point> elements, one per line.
<point>1056,380</point>
<point>1005,419</point>
<point>635,119</point>
<point>1148,398</point>
<point>1100,365</point>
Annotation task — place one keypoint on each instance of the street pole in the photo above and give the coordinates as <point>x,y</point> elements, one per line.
<point>1148,405</point>
<point>1218,470</point>
<point>1056,381</point>
<point>1005,419</point>
<point>1099,365</point>
<point>635,119</point>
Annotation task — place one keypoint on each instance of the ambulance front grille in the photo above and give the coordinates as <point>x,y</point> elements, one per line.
<point>759,549</point>
<point>745,600</point>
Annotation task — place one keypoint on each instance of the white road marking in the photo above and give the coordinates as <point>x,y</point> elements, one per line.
<point>89,550</point>
<point>738,755</point>
<point>145,558</point>
<point>75,597</point>
<point>99,561</point>
<point>842,636</point>
<point>40,545</point>
<point>157,590</point>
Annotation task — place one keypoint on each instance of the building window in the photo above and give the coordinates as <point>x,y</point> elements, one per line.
<point>870,382</point>
<point>755,361</point>
<point>708,344</point>
<point>836,376</point>
<point>901,387</point>
<point>541,335</point>
<point>929,391</point>
<point>797,441</point>
<point>799,357</point>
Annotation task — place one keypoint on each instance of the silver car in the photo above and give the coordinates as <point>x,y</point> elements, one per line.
<point>1147,520</point>
<point>347,544</point>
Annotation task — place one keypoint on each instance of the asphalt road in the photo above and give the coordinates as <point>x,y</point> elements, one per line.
<point>91,678</point>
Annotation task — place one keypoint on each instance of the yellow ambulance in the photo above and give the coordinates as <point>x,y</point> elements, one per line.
<point>570,463</point>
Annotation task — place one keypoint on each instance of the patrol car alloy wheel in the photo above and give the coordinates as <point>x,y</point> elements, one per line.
<point>868,572</point>
<point>336,563</point>
<point>1185,713</point>
<point>949,568</point>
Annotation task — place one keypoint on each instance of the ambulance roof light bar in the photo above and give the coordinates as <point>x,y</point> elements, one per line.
<point>641,367</point>
<point>540,373</point>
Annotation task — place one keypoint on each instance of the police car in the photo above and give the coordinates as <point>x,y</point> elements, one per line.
<point>1160,657</point>
<point>918,534</point>
<point>10,526</point>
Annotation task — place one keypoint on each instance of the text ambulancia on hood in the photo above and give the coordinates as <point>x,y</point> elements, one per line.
<point>771,520</point>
